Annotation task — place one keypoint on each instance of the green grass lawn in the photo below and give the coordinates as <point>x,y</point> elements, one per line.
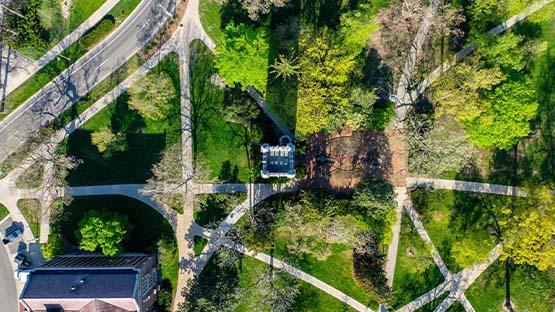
<point>3,212</point>
<point>335,270</point>
<point>415,272</point>
<point>200,243</point>
<point>31,210</point>
<point>219,143</point>
<point>149,228</point>
<point>246,276</point>
<point>146,139</point>
<point>211,19</point>
<point>56,66</point>
<point>80,10</point>
<point>449,216</point>
<point>531,290</point>
<point>213,208</point>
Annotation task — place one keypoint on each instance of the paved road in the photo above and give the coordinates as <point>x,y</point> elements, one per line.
<point>86,73</point>
<point>8,294</point>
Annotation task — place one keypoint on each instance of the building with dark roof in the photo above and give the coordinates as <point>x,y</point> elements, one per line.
<point>92,283</point>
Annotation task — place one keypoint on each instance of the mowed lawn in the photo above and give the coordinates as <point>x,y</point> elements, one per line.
<point>146,139</point>
<point>531,290</point>
<point>415,272</point>
<point>215,140</point>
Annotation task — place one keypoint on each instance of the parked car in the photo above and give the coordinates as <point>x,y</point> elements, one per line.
<point>12,236</point>
<point>20,259</point>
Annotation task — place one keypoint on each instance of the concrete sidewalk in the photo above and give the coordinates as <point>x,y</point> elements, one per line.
<point>22,73</point>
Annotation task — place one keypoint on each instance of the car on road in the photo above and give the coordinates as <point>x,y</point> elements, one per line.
<point>13,235</point>
<point>21,259</point>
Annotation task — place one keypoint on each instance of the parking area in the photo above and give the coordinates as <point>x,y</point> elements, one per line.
<point>10,286</point>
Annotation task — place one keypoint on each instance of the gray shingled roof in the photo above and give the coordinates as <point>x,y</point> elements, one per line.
<point>55,283</point>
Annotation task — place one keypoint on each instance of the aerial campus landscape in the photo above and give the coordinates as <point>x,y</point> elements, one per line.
<point>277,155</point>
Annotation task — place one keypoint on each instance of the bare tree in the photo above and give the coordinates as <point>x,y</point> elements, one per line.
<point>256,8</point>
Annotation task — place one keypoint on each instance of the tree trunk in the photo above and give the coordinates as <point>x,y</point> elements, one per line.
<point>508,305</point>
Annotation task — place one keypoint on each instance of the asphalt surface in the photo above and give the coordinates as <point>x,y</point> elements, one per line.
<point>84,74</point>
<point>8,291</point>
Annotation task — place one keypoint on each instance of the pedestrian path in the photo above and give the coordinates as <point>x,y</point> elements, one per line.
<point>393,247</point>
<point>457,185</point>
<point>20,74</point>
<point>297,274</point>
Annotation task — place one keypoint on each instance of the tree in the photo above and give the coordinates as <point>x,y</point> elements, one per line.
<point>29,31</point>
<point>167,177</point>
<point>489,94</point>
<point>437,146</point>
<point>357,27</point>
<point>257,8</point>
<point>469,250</point>
<point>529,236</point>
<point>285,67</point>
<point>244,44</point>
<point>103,230</point>
<point>324,73</point>
<point>375,197</point>
<point>43,148</point>
<point>275,290</point>
<point>368,265</point>
<point>512,106</point>
<point>359,111</point>
<point>107,142</point>
<point>54,247</point>
<point>152,96</point>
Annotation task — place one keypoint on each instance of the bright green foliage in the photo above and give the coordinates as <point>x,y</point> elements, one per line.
<point>152,96</point>
<point>54,247</point>
<point>285,67</point>
<point>325,67</point>
<point>489,95</point>
<point>469,251</point>
<point>511,107</point>
<point>98,32</point>
<point>107,142</point>
<point>357,27</point>
<point>103,230</point>
<point>530,229</point>
<point>242,58</point>
<point>375,197</point>
<point>485,12</point>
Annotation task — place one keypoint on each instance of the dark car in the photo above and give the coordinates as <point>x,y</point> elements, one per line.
<point>20,259</point>
<point>12,236</point>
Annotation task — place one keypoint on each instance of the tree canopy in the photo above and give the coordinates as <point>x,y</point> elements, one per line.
<point>107,142</point>
<point>242,58</point>
<point>103,230</point>
<point>152,96</point>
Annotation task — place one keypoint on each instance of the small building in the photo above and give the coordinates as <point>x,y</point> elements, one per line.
<point>278,161</point>
<point>92,283</point>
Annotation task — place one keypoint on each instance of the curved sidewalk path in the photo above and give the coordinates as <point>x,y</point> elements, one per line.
<point>22,74</point>
<point>297,274</point>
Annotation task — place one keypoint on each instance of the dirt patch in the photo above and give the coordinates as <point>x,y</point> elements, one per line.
<point>341,160</point>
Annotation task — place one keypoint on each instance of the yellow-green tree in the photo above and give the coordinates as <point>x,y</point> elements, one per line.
<point>102,230</point>
<point>152,96</point>
<point>108,142</point>
<point>324,72</point>
<point>530,230</point>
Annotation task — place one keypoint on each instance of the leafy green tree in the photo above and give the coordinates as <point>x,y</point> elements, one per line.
<point>243,56</point>
<point>152,96</point>
<point>107,142</point>
<point>376,197</point>
<point>103,230</point>
<point>357,27</point>
<point>324,73</point>
<point>469,251</point>
<point>489,94</point>
<point>530,230</point>
<point>29,29</point>
<point>511,107</point>
<point>359,111</point>
<point>54,247</point>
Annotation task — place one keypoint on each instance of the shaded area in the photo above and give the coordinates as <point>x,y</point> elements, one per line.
<point>210,209</point>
